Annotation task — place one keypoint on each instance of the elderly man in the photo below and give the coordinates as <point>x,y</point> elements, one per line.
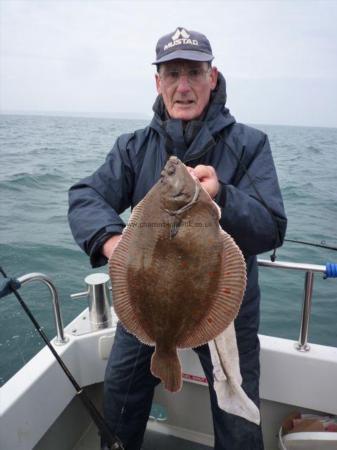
<point>234,164</point>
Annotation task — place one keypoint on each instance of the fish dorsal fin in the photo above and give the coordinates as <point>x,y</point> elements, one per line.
<point>227,299</point>
<point>118,274</point>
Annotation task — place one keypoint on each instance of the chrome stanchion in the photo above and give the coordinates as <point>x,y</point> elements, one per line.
<point>99,300</point>
<point>302,344</point>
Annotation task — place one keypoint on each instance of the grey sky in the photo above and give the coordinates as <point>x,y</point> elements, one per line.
<point>279,58</point>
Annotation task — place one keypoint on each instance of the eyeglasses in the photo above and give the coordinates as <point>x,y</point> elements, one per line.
<point>194,75</point>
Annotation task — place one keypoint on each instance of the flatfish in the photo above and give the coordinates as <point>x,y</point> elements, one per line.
<point>177,278</point>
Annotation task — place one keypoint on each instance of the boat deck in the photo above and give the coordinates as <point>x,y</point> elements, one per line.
<point>152,441</point>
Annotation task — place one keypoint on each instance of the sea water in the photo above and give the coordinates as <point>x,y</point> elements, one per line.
<point>41,157</point>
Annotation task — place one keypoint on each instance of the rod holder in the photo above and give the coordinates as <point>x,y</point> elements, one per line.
<point>99,300</point>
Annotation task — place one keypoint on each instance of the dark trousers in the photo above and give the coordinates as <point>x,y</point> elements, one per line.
<point>129,389</point>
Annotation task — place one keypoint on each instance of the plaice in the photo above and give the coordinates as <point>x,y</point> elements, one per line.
<point>177,278</point>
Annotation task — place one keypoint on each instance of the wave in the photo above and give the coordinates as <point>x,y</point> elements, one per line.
<point>314,149</point>
<point>27,180</point>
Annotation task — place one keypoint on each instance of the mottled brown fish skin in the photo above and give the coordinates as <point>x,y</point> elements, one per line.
<point>173,259</point>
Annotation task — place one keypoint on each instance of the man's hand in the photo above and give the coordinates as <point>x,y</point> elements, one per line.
<point>110,245</point>
<point>207,177</point>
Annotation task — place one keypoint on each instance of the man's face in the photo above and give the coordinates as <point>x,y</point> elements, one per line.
<point>186,87</point>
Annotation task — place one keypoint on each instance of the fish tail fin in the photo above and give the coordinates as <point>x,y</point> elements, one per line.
<point>166,366</point>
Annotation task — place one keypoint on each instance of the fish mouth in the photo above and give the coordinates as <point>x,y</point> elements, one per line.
<point>175,174</point>
<point>171,166</point>
<point>180,190</point>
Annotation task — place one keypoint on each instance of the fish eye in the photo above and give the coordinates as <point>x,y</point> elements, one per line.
<point>179,194</point>
<point>171,170</point>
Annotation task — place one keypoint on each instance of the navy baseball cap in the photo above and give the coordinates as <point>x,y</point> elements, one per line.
<point>183,44</point>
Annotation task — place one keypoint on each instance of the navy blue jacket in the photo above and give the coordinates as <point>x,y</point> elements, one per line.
<point>250,200</point>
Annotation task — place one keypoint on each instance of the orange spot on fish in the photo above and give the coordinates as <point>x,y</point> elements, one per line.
<point>209,320</point>
<point>212,274</point>
<point>226,290</point>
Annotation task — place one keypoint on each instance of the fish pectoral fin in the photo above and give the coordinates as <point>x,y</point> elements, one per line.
<point>233,399</point>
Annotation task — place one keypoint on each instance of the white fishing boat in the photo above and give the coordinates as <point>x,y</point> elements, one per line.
<point>41,410</point>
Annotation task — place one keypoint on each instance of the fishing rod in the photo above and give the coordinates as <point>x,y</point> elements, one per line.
<point>313,244</point>
<point>11,285</point>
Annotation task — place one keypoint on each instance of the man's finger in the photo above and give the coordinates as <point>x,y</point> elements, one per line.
<point>204,172</point>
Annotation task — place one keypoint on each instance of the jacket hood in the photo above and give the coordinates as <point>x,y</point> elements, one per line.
<point>181,136</point>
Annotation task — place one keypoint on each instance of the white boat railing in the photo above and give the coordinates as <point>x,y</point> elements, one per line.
<point>309,269</point>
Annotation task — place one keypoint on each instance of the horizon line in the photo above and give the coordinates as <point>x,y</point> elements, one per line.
<point>129,116</point>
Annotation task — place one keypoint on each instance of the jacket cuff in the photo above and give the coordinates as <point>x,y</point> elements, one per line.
<point>97,259</point>
<point>221,196</point>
